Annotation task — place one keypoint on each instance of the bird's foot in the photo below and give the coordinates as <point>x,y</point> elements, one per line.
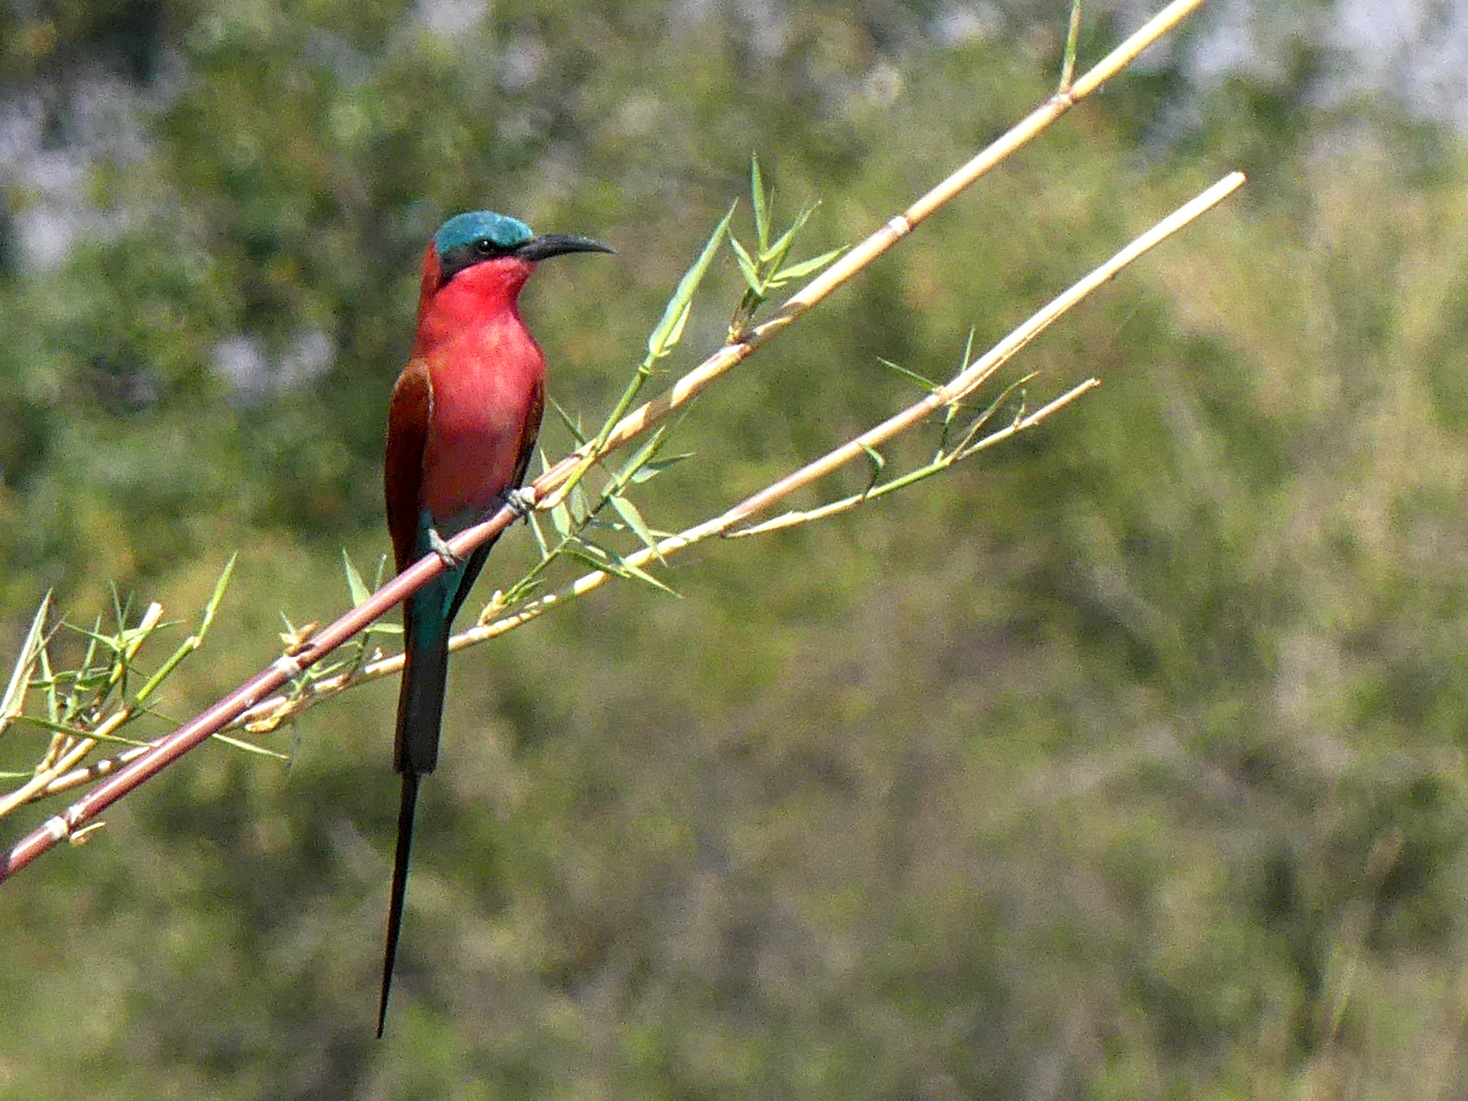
<point>445,553</point>
<point>520,501</point>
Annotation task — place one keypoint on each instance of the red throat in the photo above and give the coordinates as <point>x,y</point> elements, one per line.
<point>474,296</point>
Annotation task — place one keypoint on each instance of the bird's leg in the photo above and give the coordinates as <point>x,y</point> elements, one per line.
<point>445,553</point>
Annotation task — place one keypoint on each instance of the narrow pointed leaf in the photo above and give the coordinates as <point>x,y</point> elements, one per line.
<point>572,425</point>
<point>786,239</point>
<point>640,459</point>
<point>25,664</point>
<point>649,470</point>
<point>580,505</point>
<point>912,376</point>
<point>639,574</point>
<point>759,200</point>
<point>218,595</point>
<point>538,534</point>
<point>251,747</point>
<point>355,585</point>
<point>628,512</point>
<point>561,519</point>
<point>73,732</point>
<point>670,329</point>
<point>878,463</point>
<point>747,266</point>
<point>807,267</point>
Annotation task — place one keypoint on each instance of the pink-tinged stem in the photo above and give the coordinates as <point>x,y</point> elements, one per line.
<point>200,728</point>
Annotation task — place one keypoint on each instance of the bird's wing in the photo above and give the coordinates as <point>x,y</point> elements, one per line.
<point>407,439</point>
<point>527,438</point>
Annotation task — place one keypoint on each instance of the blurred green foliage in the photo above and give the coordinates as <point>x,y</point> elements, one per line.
<point>1126,764</point>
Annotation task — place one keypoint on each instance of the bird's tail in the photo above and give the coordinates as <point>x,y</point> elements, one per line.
<point>420,715</point>
<point>399,890</point>
<point>420,700</point>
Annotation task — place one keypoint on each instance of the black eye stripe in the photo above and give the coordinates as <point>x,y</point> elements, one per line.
<point>466,255</point>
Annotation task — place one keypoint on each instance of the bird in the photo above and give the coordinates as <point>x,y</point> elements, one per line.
<point>461,427</point>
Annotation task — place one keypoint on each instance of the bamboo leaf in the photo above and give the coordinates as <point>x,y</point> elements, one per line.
<point>649,470</point>
<point>560,517</point>
<point>670,329</point>
<point>607,561</point>
<point>760,202</point>
<point>629,512</point>
<point>355,585</point>
<point>251,747</point>
<point>539,535</point>
<point>878,463</point>
<point>640,459</point>
<point>747,266</point>
<point>778,250</point>
<point>639,574</point>
<point>807,267</point>
<point>73,732</point>
<point>12,702</point>
<point>912,376</point>
<point>217,596</point>
<point>581,509</point>
<point>572,425</point>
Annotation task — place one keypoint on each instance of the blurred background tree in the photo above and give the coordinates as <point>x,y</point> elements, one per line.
<point>1126,765</point>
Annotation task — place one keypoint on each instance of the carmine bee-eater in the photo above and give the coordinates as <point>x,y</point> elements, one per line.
<point>460,431</point>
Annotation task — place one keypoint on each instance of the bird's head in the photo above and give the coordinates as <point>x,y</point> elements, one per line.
<point>500,251</point>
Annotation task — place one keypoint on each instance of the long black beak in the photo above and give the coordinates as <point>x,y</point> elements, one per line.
<point>558,244</point>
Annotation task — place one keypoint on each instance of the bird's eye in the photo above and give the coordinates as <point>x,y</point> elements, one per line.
<point>484,247</point>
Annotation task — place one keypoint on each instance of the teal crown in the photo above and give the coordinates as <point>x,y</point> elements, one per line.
<point>463,230</point>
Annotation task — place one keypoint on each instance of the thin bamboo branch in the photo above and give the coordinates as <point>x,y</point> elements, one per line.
<point>270,713</point>
<point>892,231</point>
<point>968,380</point>
<point>69,824</point>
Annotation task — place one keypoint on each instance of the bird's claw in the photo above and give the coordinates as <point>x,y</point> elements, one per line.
<point>520,501</point>
<point>445,553</point>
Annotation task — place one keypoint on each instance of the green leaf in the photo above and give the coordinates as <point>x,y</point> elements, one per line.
<point>561,520</point>
<point>607,561</point>
<point>540,542</point>
<point>629,512</point>
<point>88,676</point>
<point>71,731</point>
<point>250,747</point>
<point>642,456</point>
<point>760,202</point>
<point>878,464</point>
<point>649,470</point>
<point>639,574</point>
<point>572,425</point>
<point>782,246</point>
<point>119,642</point>
<point>355,585</point>
<point>670,329</point>
<point>218,595</point>
<point>912,376</point>
<point>806,267</point>
<point>25,664</point>
<point>580,505</point>
<point>747,267</point>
